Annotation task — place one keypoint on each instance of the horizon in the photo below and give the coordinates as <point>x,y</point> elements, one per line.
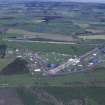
<point>84,1</point>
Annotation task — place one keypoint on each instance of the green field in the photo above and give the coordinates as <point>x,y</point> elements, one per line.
<point>78,78</point>
<point>55,58</point>
<point>46,47</point>
<point>89,95</point>
<point>28,79</point>
<point>17,80</point>
<point>96,94</point>
<point>87,78</point>
<point>26,97</point>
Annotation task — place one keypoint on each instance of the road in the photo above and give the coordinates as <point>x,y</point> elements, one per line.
<point>29,41</point>
<point>51,42</point>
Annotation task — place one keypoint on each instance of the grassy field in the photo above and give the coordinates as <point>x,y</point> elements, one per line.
<point>94,37</point>
<point>26,97</point>
<point>28,79</point>
<point>46,47</point>
<point>88,78</point>
<point>89,95</point>
<point>55,58</point>
<point>4,62</point>
<point>93,93</point>
<point>78,78</point>
<point>17,80</point>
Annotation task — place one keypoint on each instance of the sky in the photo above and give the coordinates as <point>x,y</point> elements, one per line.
<point>100,1</point>
<point>80,0</point>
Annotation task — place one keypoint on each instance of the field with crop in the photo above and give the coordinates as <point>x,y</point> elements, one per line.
<point>93,37</point>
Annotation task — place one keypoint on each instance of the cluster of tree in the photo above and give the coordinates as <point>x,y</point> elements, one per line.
<point>49,18</point>
<point>3,49</point>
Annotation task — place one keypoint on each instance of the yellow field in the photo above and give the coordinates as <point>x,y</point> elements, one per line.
<point>83,25</point>
<point>94,37</point>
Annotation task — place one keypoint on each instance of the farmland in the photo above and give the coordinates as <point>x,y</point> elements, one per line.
<point>53,34</point>
<point>93,37</point>
<point>46,47</point>
<point>52,53</point>
<point>95,78</point>
<point>28,34</point>
<point>64,18</point>
<point>52,95</point>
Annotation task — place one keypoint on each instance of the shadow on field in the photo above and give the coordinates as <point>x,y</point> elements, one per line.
<point>18,66</point>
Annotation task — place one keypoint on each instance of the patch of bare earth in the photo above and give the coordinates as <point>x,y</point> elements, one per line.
<point>9,97</point>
